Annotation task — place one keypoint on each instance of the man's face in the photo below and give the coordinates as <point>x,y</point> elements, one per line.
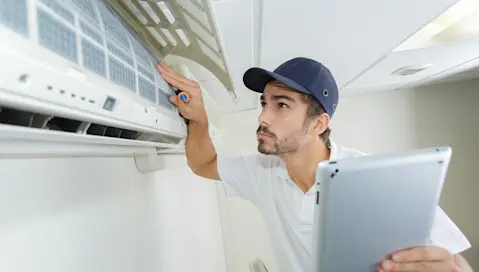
<point>283,126</point>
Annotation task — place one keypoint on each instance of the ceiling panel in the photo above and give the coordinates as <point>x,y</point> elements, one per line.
<point>441,58</point>
<point>465,71</point>
<point>357,90</point>
<point>347,36</point>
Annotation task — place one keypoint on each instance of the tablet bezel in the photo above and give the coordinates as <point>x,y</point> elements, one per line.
<point>335,180</point>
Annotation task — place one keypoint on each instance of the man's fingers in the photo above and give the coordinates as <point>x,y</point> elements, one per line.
<point>167,71</point>
<point>422,254</point>
<point>174,100</point>
<point>165,67</point>
<point>176,83</point>
<point>417,267</point>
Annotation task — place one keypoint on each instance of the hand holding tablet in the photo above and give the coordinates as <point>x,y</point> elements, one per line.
<point>372,206</point>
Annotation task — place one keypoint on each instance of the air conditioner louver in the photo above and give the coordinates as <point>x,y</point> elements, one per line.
<point>180,27</point>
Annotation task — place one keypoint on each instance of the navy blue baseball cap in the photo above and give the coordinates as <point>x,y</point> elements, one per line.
<point>302,74</point>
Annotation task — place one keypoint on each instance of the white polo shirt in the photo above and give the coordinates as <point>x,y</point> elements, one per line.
<point>288,211</point>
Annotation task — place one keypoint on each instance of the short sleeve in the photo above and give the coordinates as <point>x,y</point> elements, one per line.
<point>238,175</point>
<point>447,235</point>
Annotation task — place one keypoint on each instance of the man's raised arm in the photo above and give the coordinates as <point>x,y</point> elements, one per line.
<point>200,152</point>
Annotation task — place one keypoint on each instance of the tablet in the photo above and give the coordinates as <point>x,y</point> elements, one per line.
<point>371,206</point>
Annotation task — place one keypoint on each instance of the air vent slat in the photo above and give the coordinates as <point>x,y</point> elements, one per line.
<point>82,129</point>
<point>113,132</point>
<point>40,120</point>
<point>16,117</point>
<point>128,134</point>
<point>62,124</point>
<point>96,129</point>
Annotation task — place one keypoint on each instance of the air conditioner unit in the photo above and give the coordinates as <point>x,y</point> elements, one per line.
<point>85,70</point>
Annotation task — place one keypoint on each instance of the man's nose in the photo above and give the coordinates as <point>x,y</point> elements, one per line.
<point>265,117</point>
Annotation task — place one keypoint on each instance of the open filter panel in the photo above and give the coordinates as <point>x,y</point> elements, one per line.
<point>179,27</point>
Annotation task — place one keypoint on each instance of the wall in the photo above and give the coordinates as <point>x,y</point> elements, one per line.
<point>452,117</point>
<point>75,214</point>
<point>188,220</point>
<point>101,214</point>
<point>443,114</point>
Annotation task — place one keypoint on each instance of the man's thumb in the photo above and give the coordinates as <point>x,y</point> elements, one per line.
<point>174,100</point>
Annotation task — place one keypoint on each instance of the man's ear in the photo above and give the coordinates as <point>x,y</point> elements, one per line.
<point>321,123</point>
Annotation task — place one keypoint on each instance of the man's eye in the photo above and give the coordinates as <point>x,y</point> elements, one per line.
<point>263,104</point>
<point>282,105</point>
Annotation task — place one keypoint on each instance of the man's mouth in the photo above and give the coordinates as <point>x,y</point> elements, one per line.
<point>262,134</point>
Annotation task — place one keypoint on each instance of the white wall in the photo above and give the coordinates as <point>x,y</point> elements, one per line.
<point>188,220</point>
<point>76,215</point>
<point>370,122</point>
<point>447,112</point>
<point>100,214</point>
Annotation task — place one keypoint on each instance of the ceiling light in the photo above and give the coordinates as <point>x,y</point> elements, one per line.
<point>459,22</point>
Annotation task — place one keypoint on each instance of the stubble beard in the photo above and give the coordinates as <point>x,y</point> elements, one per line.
<point>289,144</point>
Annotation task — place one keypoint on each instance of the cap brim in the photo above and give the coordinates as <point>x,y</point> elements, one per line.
<point>256,79</point>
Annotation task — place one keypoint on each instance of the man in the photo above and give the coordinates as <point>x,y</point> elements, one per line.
<point>298,99</point>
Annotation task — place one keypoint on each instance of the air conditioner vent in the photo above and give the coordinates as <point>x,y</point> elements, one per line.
<point>18,117</point>
<point>96,129</point>
<point>113,132</point>
<point>63,124</point>
<point>128,134</point>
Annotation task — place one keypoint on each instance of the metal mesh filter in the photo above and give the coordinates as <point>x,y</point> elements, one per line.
<point>121,54</point>
<point>145,72</point>
<point>147,90</point>
<point>56,36</point>
<point>91,33</point>
<point>179,27</point>
<point>13,13</point>
<point>86,6</point>
<point>59,9</point>
<point>93,58</point>
<point>121,74</point>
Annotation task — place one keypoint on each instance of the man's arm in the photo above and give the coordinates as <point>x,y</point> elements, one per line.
<point>200,152</point>
<point>237,173</point>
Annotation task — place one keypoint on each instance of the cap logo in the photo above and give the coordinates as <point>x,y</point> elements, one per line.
<point>334,107</point>
<point>325,92</point>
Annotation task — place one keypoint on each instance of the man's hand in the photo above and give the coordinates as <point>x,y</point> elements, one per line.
<point>194,110</point>
<point>423,259</point>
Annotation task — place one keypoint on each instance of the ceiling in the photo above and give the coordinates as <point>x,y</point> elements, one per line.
<point>355,39</point>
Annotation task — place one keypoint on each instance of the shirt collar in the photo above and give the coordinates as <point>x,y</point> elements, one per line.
<point>282,171</point>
